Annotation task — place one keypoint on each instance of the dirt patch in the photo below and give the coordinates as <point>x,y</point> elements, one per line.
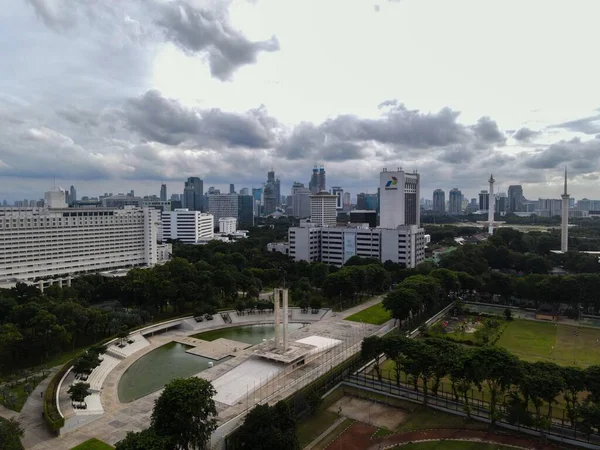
<point>380,416</point>
<point>359,437</point>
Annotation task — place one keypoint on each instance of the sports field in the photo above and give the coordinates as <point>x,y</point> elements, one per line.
<point>544,341</point>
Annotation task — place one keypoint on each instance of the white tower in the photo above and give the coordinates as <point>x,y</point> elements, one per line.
<point>491,224</point>
<point>564,223</point>
<point>491,205</point>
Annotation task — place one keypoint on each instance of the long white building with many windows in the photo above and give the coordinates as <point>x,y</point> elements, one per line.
<point>55,242</point>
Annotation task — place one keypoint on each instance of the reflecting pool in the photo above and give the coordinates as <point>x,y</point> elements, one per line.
<point>152,371</point>
<point>250,334</point>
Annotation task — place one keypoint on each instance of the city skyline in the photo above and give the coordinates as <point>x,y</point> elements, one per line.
<point>140,94</point>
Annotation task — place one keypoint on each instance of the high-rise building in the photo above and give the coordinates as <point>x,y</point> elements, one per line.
<point>455,202</point>
<point>163,192</point>
<point>400,193</point>
<point>72,195</point>
<point>232,188</point>
<point>347,200</point>
<point>187,226</point>
<point>245,215</point>
<point>339,201</point>
<point>193,194</point>
<point>300,205</point>
<point>244,191</point>
<point>515,198</point>
<point>271,176</point>
<point>55,240</point>
<point>277,190</point>
<point>313,184</point>
<point>484,200</point>
<point>227,225</point>
<point>501,203</point>
<point>564,223</point>
<point>322,181</point>
<point>439,201</point>
<point>270,201</point>
<point>322,209</point>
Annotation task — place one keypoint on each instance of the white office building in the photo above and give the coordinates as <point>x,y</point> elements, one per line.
<point>399,199</point>
<point>227,225</point>
<point>335,245</point>
<point>323,209</point>
<point>399,238</point>
<point>187,226</point>
<point>56,242</point>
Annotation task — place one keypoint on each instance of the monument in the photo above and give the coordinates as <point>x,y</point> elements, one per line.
<point>564,222</point>
<point>281,296</point>
<point>491,224</point>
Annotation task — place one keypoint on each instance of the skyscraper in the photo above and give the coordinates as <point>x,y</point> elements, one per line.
<point>484,200</point>
<point>322,182</point>
<point>193,194</point>
<point>313,184</point>
<point>277,190</point>
<point>439,201</point>
<point>515,198</point>
<point>232,188</point>
<point>339,194</point>
<point>270,201</point>
<point>322,209</point>
<point>399,193</point>
<point>72,195</point>
<point>163,192</point>
<point>347,200</point>
<point>271,176</point>
<point>455,201</point>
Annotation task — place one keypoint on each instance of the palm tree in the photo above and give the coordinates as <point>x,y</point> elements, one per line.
<point>79,391</point>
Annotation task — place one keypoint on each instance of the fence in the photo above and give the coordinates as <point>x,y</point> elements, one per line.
<point>283,385</point>
<point>560,429</point>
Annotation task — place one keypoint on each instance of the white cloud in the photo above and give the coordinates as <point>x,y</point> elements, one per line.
<point>66,102</point>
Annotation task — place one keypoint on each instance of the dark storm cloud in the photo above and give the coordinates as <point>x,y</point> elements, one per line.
<point>487,132</point>
<point>587,125</point>
<point>159,119</point>
<point>524,134</point>
<point>200,31</point>
<point>401,131</point>
<point>583,156</point>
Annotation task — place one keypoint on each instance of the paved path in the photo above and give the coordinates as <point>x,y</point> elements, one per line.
<point>6,413</point>
<point>31,417</point>
<point>322,436</point>
<point>358,437</point>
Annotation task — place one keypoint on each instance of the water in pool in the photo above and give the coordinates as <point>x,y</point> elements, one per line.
<point>152,371</point>
<point>250,334</point>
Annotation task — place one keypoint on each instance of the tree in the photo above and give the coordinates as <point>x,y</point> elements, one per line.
<point>79,391</point>
<point>574,379</point>
<point>144,440</point>
<point>10,434</point>
<point>372,348</point>
<point>508,314</point>
<point>185,413</point>
<point>269,428</point>
<point>498,369</point>
<point>402,303</point>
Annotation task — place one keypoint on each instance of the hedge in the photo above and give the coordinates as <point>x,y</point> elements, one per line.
<point>53,418</point>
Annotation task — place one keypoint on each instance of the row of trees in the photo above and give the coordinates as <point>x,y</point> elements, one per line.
<point>514,388</point>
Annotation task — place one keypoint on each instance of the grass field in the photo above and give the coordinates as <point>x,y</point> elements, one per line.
<point>93,444</point>
<point>453,445</point>
<point>375,314</point>
<point>20,393</point>
<point>544,341</point>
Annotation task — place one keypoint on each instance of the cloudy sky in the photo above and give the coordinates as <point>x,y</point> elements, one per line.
<point>112,95</point>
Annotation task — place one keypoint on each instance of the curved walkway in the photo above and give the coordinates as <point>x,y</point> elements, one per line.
<point>358,437</point>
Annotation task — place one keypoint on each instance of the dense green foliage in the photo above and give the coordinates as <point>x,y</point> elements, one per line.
<point>10,434</point>
<point>512,385</point>
<point>93,444</point>
<point>183,418</point>
<point>269,428</point>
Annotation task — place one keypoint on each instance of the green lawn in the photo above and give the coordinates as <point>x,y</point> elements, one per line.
<point>93,444</point>
<point>375,314</point>
<point>20,393</point>
<point>453,445</point>
<point>545,341</point>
